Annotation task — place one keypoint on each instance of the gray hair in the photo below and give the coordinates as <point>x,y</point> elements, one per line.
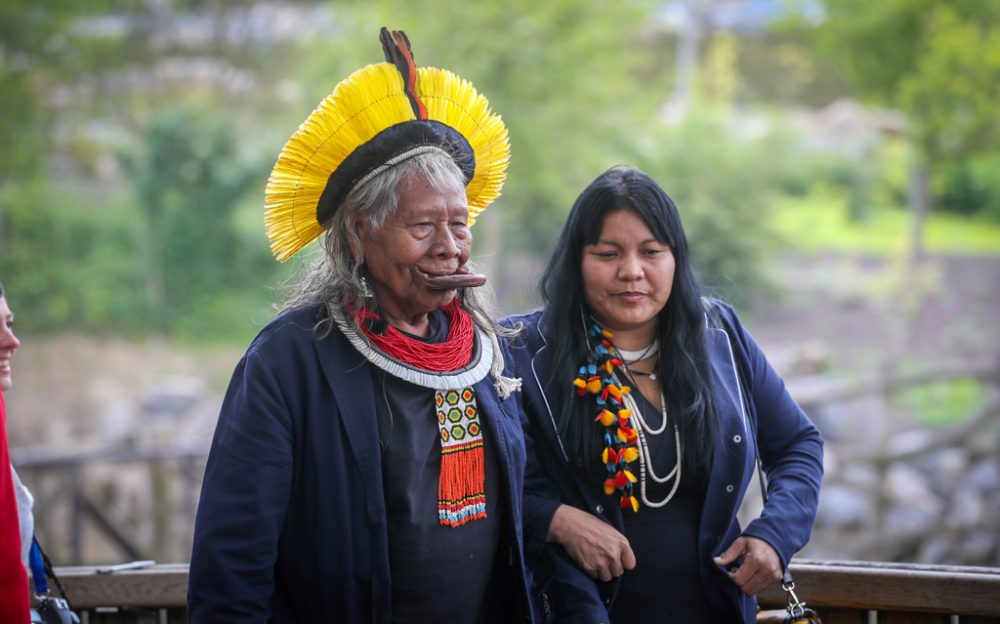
<point>336,278</point>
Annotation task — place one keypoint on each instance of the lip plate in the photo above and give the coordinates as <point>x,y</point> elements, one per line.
<point>459,279</point>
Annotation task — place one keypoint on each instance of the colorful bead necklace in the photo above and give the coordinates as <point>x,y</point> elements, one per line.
<point>597,377</point>
<point>453,354</point>
<point>625,430</point>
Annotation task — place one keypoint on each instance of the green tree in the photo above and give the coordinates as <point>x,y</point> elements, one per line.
<point>938,61</point>
<point>188,181</point>
<point>580,94</point>
<point>723,189</point>
<point>79,82</point>
<point>46,236</point>
<point>33,55</point>
<point>564,81</point>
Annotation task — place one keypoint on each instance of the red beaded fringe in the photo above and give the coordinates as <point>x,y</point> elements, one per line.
<point>460,485</point>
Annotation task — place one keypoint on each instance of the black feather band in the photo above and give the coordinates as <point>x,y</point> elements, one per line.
<point>385,146</point>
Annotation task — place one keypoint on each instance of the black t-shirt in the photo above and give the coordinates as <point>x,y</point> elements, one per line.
<point>439,574</point>
<point>665,585</point>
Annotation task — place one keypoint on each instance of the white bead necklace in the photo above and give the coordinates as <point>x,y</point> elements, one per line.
<point>645,458</point>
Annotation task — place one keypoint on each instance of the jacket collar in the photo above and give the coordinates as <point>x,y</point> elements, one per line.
<point>536,361</point>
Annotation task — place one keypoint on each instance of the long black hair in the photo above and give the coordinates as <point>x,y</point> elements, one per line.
<point>683,359</point>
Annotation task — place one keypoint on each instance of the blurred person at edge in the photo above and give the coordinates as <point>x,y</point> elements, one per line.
<point>639,504</point>
<point>16,524</point>
<point>368,461</point>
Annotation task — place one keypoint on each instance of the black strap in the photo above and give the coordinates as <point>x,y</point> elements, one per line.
<point>50,572</point>
<point>796,608</point>
<point>753,431</point>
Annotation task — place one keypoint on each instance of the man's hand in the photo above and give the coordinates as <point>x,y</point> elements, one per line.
<point>761,565</point>
<point>595,546</point>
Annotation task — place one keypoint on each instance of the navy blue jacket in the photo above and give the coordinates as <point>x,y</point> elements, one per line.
<point>292,526</point>
<point>789,445</point>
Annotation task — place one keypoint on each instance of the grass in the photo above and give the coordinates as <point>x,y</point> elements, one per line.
<point>820,222</point>
<point>944,402</point>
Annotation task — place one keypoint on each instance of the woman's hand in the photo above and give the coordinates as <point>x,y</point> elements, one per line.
<point>761,565</point>
<point>595,546</point>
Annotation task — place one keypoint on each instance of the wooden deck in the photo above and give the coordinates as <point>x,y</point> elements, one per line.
<point>841,591</point>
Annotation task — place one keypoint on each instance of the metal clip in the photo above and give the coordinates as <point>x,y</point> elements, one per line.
<point>796,608</point>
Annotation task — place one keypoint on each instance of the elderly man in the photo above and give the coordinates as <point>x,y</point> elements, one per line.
<point>368,461</point>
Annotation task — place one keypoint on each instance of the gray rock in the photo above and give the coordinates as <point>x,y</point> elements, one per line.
<point>844,507</point>
<point>965,509</point>
<point>978,548</point>
<point>172,395</point>
<point>908,488</point>
<point>937,548</point>
<point>910,520</point>
<point>944,468</point>
<point>860,475</point>
<point>985,476</point>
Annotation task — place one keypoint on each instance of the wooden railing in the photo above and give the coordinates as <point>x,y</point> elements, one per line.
<point>841,591</point>
<point>865,592</point>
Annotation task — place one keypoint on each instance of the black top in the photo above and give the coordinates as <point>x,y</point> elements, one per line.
<point>439,574</point>
<point>665,585</point>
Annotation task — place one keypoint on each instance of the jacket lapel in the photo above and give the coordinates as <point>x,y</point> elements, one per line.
<point>540,362</point>
<point>725,485</point>
<point>491,412</point>
<point>350,378</point>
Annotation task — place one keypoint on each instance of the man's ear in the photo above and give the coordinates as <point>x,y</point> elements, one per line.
<point>358,234</point>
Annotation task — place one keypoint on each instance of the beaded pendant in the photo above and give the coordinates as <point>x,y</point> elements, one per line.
<point>596,378</point>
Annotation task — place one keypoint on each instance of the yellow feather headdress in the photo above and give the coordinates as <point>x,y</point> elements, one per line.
<point>378,116</point>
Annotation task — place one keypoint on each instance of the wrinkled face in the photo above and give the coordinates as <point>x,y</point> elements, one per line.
<point>8,343</point>
<point>428,235</point>
<point>627,274</point>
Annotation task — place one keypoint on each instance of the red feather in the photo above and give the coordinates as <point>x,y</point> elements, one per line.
<point>396,46</point>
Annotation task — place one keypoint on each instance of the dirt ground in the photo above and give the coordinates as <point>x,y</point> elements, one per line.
<point>865,311</point>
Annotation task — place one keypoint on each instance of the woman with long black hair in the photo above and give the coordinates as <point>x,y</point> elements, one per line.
<point>647,407</point>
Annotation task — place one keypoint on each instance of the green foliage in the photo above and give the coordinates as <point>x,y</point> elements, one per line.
<point>21,131</point>
<point>944,403</point>
<point>783,69</point>
<point>64,260</point>
<point>938,61</point>
<point>171,258</point>
<point>866,182</point>
<point>723,188</point>
<point>971,186</point>
<point>564,81</point>
<point>176,245</point>
<point>188,182</point>
<point>875,43</point>
<point>36,50</point>
<point>954,85</point>
<point>60,251</point>
<point>821,222</point>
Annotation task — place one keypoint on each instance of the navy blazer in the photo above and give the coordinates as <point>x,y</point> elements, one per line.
<point>292,525</point>
<point>790,447</point>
